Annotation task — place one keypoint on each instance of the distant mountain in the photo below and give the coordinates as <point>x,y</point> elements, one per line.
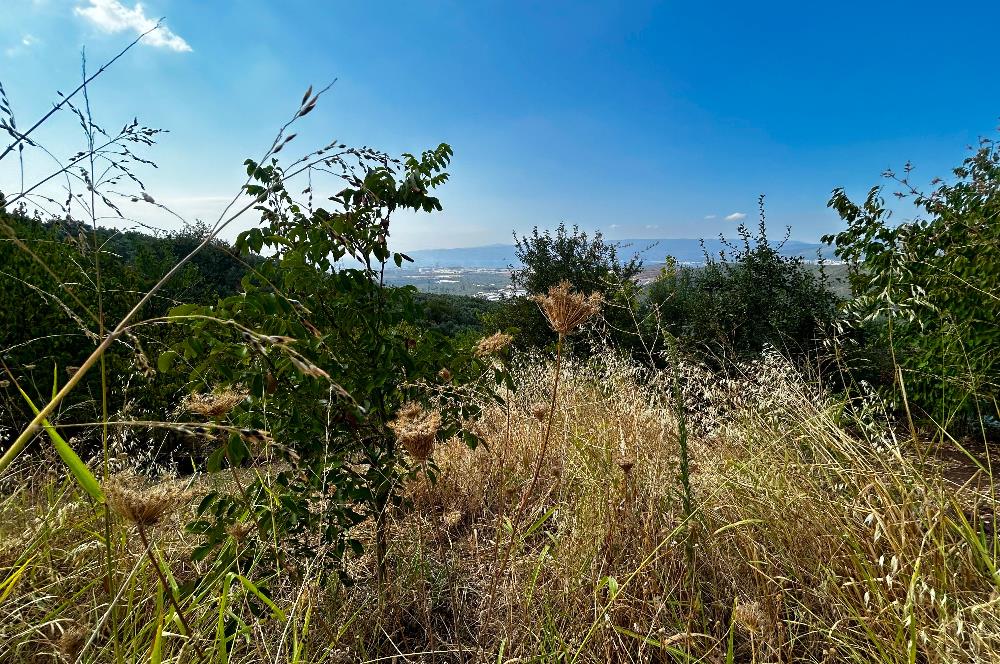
<point>652,251</point>
<point>497,256</point>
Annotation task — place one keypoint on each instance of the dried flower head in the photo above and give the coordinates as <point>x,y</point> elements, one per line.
<point>416,428</point>
<point>71,643</point>
<point>444,374</point>
<point>626,464</point>
<point>493,344</point>
<point>539,411</point>
<point>240,530</point>
<point>749,616</point>
<point>215,404</point>
<point>565,309</point>
<point>145,506</point>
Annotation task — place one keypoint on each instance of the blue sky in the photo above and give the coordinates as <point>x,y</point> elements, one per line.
<point>641,119</point>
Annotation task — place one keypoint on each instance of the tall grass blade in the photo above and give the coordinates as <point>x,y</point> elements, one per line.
<point>76,465</point>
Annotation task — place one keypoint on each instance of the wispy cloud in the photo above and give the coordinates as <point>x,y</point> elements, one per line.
<point>27,41</point>
<point>651,227</point>
<point>112,17</point>
<point>709,217</point>
<point>613,226</point>
<point>736,216</point>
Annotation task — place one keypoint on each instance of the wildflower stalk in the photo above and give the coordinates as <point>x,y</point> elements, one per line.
<point>682,434</point>
<point>168,590</point>
<point>565,311</point>
<point>546,436</point>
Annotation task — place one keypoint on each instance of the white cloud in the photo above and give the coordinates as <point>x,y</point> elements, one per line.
<point>709,217</point>
<point>652,226</point>
<point>27,41</point>
<point>736,216</point>
<point>613,226</point>
<point>112,16</point>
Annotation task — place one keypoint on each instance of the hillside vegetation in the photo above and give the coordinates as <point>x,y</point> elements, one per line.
<point>261,452</point>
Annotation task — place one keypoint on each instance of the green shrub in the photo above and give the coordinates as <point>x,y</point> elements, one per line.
<point>743,300</point>
<point>932,285</point>
<point>328,356</point>
<point>589,263</point>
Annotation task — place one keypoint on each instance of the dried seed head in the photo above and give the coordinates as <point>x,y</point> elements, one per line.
<point>215,404</point>
<point>492,345</point>
<point>71,643</point>
<point>239,530</point>
<point>565,309</point>
<point>144,507</point>
<point>445,375</point>
<point>307,368</point>
<point>749,616</point>
<point>626,465</point>
<point>539,411</point>
<point>415,429</point>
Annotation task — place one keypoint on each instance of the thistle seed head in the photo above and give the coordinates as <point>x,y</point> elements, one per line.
<point>749,616</point>
<point>71,643</point>
<point>239,530</point>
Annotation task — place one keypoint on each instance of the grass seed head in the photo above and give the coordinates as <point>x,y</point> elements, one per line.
<point>565,309</point>
<point>215,404</point>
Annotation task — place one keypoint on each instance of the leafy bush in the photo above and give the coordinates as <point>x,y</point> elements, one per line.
<point>589,263</point>
<point>931,284</point>
<point>49,305</point>
<point>327,354</point>
<point>743,300</point>
<point>453,315</point>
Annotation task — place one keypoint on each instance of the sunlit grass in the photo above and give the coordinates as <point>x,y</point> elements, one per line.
<point>805,543</point>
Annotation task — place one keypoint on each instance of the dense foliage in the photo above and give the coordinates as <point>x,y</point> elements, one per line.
<point>50,303</point>
<point>930,285</point>
<point>453,315</point>
<point>744,300</point>
<point>326,354</point>
<point>590,263</point>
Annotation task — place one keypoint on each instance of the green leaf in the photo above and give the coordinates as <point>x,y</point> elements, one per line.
<point>249,585</point>
<point>76,465</point>
<point>166,360</point>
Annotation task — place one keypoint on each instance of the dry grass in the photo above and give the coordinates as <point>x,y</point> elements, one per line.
<point>808,543</point>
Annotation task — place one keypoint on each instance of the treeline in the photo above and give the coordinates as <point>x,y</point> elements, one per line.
<point>63,282</point>
<point>51,307</point>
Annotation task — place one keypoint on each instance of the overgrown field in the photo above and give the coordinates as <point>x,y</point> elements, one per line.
<point>263,452</point>
<point>810,533</point>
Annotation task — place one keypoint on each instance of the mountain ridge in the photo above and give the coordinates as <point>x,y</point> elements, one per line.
<point>650,250</point>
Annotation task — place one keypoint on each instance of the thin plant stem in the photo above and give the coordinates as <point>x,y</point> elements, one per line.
<point>169,591</point>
